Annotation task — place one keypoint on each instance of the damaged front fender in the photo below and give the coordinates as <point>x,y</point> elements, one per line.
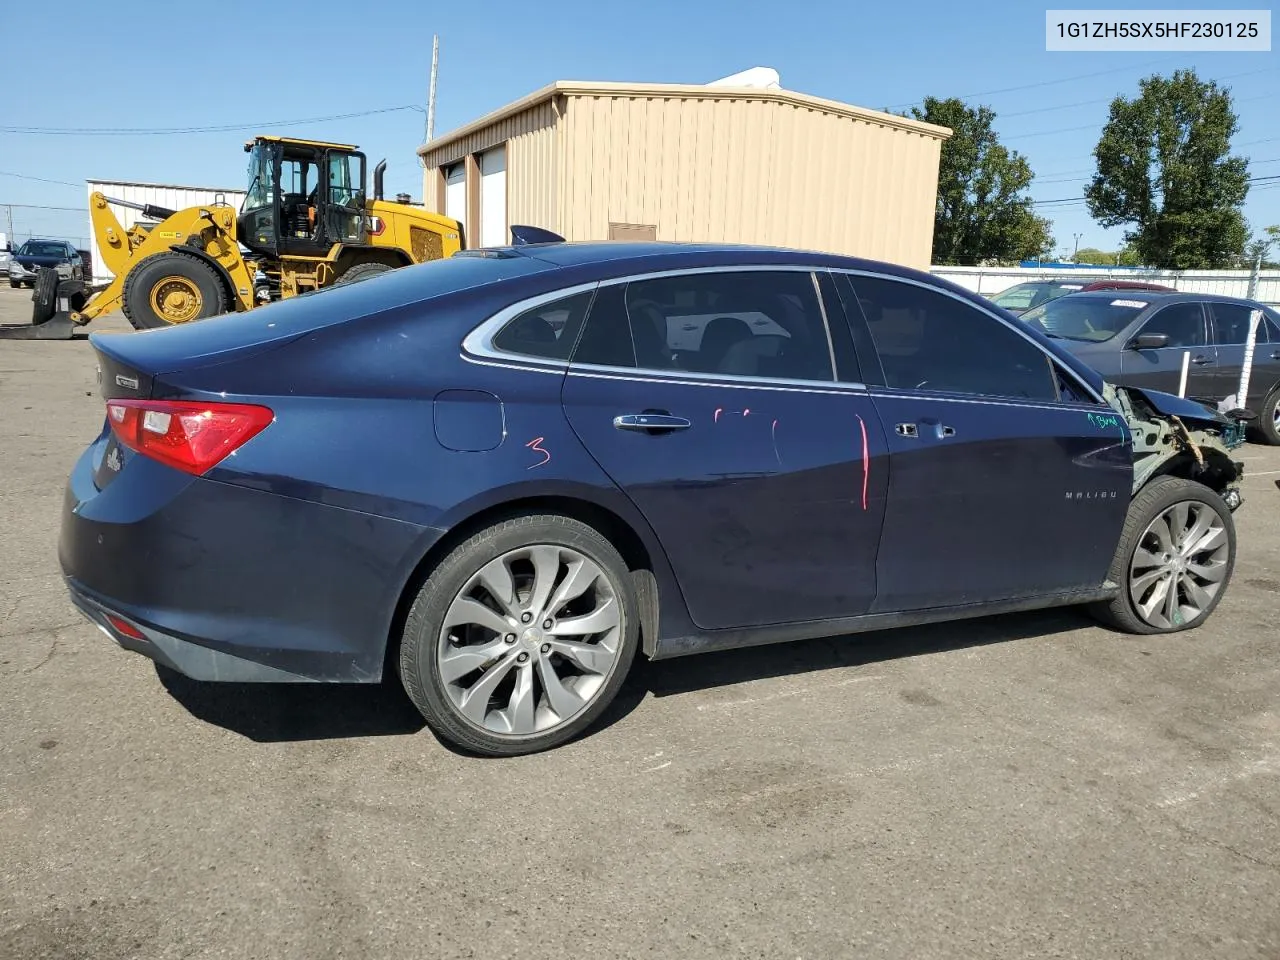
<point>1177,437</point>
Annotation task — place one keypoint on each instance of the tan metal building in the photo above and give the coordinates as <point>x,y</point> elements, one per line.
<point>599,161</point>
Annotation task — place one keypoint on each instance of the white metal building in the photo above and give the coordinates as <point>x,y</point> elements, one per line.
<point>160,194</point>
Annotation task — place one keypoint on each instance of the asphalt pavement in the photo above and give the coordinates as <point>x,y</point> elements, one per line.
<point>1025,786</point>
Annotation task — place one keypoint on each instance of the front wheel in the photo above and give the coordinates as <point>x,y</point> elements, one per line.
<point>521,636</point>
<point>170,288</point>
<point>1269,418</point>
<point>1174,559</point>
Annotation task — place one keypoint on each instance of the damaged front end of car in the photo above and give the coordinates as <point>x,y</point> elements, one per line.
<point>1177,437</point>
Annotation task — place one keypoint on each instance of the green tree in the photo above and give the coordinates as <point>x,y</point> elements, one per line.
<point>983,211</point>
<point>1125,257</point>
<point>1164,168</point>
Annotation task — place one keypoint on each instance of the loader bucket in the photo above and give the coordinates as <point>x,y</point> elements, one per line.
<point>50,315</point>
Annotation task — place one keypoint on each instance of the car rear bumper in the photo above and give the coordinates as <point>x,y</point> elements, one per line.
<point>185,656</point>
<point>222,582</point>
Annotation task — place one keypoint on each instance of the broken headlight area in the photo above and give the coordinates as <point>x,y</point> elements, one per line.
<point>1180,437</point>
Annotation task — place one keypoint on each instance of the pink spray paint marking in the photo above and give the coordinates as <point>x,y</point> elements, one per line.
<point>535,444</point>
<point>773,436</point>
<point>746,412</point>
<point>716,417</point>
<point>866,462</point>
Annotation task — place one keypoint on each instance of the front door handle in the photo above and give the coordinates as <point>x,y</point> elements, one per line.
<point>1201,360</point>
<point>651,422</point>
<point>1275,354</point>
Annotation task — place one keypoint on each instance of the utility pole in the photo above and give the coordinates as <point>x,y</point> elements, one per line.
<point>1077,247</point>
<point>431,93</point>
<point>9,235</point>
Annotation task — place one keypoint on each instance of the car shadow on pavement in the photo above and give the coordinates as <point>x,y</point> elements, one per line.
<point>270,713</point>
<point>274,712</point>
<point>665,678</point>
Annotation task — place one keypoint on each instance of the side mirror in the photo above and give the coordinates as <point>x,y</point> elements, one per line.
<point>1149,341</point>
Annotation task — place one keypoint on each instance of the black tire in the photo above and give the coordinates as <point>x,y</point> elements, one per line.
<point>1152,500</point>
<point>361,271</point>
<point>29,284</point>
<point>146,275</point>
<point>16,284</point>
<point>1266,424</point>
<point>419,669</point>
<point>44,302</point>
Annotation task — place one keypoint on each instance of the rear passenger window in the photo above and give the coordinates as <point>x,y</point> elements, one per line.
<point>1231,323</point>
<point>547,331</point>
<point>753,323</point>
<point>928,340</point>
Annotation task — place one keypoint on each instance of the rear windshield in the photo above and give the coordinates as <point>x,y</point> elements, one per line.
<point>1091,319</point>
<point>1022,296</point>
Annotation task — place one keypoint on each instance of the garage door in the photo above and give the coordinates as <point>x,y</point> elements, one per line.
<point>455,193</point>
<point>493,197</point>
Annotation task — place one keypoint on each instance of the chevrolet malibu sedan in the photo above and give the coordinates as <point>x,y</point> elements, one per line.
<point>504,475</point>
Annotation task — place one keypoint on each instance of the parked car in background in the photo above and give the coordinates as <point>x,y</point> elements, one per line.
<point>6,257</point>
<point>1138,339</point>
<point>1024,296</point>
<point>34,254</point>
<point>505,473</point>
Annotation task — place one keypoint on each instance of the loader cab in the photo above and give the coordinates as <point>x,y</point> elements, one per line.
<point>303,197</point>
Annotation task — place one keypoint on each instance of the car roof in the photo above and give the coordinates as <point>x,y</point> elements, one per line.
<point>1161,296</point>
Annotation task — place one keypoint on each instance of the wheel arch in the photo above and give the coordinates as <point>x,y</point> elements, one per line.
<point>1217,472</point>
<point>650,573</point>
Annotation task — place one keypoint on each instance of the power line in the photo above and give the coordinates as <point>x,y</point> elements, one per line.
<point>27,176</point>
<point>1049,83</point>
<point>1083,103</point>
<point>170,131</point>
<point>39,206</point>
<point>1041,203</point>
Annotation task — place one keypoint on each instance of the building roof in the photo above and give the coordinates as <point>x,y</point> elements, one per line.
<point>684,91</point>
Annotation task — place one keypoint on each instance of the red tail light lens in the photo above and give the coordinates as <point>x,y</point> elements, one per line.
<point>191,437</point>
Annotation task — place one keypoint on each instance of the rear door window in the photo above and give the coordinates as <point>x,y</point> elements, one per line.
<point>1231,324</point>
<point>753,323</point>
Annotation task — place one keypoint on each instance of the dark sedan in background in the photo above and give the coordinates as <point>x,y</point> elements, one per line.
<point>1138,338</point>
<point>34,254</point>
<point>503,474</point>
<point>1022,297</point>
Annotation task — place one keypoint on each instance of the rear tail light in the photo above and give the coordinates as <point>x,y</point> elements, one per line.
<point>191,437</point>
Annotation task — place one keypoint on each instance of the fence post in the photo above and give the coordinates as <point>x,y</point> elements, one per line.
<point>1253,278</point>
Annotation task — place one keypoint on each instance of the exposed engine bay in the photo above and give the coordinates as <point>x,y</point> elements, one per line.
<point>1173,436</point>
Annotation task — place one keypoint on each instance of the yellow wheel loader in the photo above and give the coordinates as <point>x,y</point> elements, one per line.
<point>306,223</point>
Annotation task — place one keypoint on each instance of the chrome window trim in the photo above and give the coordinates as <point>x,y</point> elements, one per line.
<point>479,342</point>
<point>826,325</point>
<point>728,381</point>
<point>477,346</point>
<point>1059,406</point>
<point>851,271</point>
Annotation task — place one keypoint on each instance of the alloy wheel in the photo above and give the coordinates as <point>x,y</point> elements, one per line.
<point>1179,564</point>
<point>529,640</point>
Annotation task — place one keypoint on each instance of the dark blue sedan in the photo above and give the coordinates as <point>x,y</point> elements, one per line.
<point>504,474</point>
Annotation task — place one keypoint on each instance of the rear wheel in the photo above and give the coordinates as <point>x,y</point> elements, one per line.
<point>1174,560</point>
<point>16,284</point>
<point>170,288</point>
<point>521,636</point>
<point>361,271</point>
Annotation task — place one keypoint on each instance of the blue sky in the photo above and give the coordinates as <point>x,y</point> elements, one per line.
<point>147,65</point>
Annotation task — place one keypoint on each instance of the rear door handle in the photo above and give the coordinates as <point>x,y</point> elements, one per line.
<point>1201,361</point>
<point>651,422</point>
<point>1275,354</point>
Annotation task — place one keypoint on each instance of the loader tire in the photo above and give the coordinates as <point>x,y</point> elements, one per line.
<point>361,271</point>
<point>44,301</point>
<point>171,288</point>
